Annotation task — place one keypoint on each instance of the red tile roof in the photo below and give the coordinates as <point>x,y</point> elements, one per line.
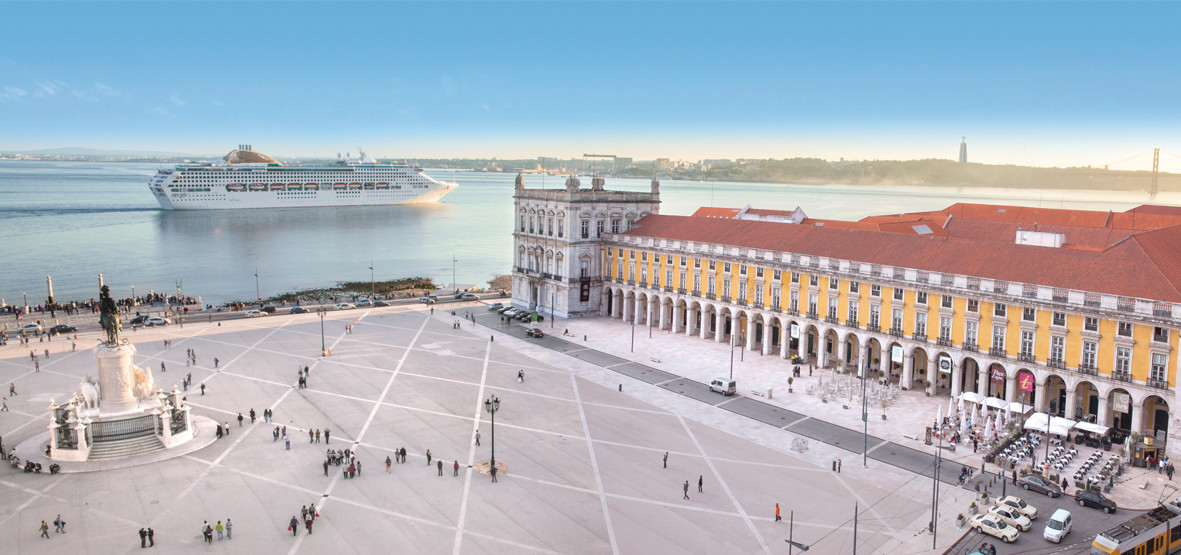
<point>1147,266</point>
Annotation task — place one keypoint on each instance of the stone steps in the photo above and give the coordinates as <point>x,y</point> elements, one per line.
<point>117,449</point>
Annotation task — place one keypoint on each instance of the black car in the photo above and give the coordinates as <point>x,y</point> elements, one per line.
<point>62,328</point>
<point>139,320</point>
<point>534,332</point>
<point>1094,499</point>
<point>298,310</point>
<point>268,309</point>
<point>1034,482</point>
<point>381,303</point>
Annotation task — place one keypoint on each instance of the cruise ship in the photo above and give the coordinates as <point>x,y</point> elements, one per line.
<point>248,179</point>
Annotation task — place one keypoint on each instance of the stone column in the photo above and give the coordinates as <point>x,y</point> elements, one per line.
<point>1011,387</point>
<point>982,380</point>
<point>784,339</point>
<point>907,379</point>
<point>115,379</point>
<point>957,379</point>
<point>637,309</point>
<point>1070,404</point>
<point>932,376</point>
<point>720,327</point>
<point>1041,396</point>
<point>842,354</point>
<point>1104,410</point>
<point>767,337</point>
<point>750,333</point>
<point>863,360</point>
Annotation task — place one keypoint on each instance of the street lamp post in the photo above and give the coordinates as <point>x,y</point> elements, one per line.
<point>731,356</point>
<point>323,348</point>
<point>551,310</point>
<point>453,261</point>
<point>133,303</point>
<point>257,294</point>
<point>372,283</point>
<point>25,307</point>
<point>492,404</point>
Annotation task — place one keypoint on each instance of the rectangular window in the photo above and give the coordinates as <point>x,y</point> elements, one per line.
<point>599,228</point>
<point>549,227</point>
<point>945,328</point>
<point>832,309</point>
<point>793,301</point>
<point>998,338</point>
<point>530,224</point>
<point>1124,329</point>
<point>898,293</point>
<point>713,265</point>
<point>631,273</point>
<point>999,309</point>
<point>696,262</point>
<point>896,320</point>
<point>561,226</point>
<point>813,300</point>
<point>920,323</point>
<point>1123,360</point>
<point>726,268</point>
<point>1059,319</point>
<point>1026,344</point>
<point>759,296</point>
<point>973,305</point>
<point>875,316</point>
<point>668,278</point>
<point>726,289</point>
<point>1029,314</point>
<point>834,283</point>
<point>696,284</point>
<point>614,226</point>
<point>711,287</point>
<point>775,297</point>
<point>609,252</point>
<point>585,229</point>
<point>945,302</point>
<point>795,277</point>
<point>920,297</point>
<point>777,274</point>
<point>644,275</point>
<point>758,272</point>
<point>668,259</point>
<point>851,319</point>
<point>682,261</point>
<point>970,334</point>
<point>631,255</point>
<point>1057,348</point>
<point>1160,334</point>
<point>814,280</point>
<point>619,272</point>
<point>1090,351</point>
<point>854,286</point>
<point>875,290</point>
<point>1091,323</point>
<point>742,269</point>
<point>1160,361</point>
<point>741,293</point>
<point>681,284</point>
<point>522,224</point>
<point>644,256</point>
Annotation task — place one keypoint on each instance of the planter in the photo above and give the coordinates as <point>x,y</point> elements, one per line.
<point>883,417</point>
<point>973,508</point>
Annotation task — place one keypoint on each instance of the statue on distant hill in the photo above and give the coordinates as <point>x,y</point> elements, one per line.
<point>109,316</point>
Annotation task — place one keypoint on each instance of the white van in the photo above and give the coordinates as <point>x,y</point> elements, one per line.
<point>724,386</point>
<point>1057,526</point>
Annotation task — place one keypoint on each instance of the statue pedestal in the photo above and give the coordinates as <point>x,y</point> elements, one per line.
<point>115,379</point>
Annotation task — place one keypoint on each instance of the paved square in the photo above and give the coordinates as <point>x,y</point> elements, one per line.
<point>584,460</point>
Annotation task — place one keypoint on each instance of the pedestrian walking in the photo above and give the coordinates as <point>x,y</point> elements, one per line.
<point>59,525</point>
<point>207,531</point>
<point>493,472</point>
<point>293,526</point>
<point>4,404</point>
<point>12,390</point>
<point>220,529</point>
<point>777,517</point>
<point>666,459</point>
<point>456,473</point>
<point>202,388</point>
<point>311,436</point>
<point>287,442</point>
<point>387,464</point>
<point>358,462</point>
<point>440,464</point>
<point>44,530</point>
<point>240,419</point>
<point>326,436</point>
<point>215,362</point>
<point>838,466</point>
<point>252,415</point>
<point>700,480</point>
<point>162,367</point>
<point>151,537</point>
<point>428,457</point>
<point>229,529</point>
<point>477,438</point>
<point>686,488</point>
<point>317,435</point>
<point>308,524</point>
<point>143,537</point>
<point>303,512</point>
<point>403,453</point>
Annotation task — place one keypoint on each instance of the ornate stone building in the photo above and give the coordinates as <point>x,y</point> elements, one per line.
<point>558,238</point>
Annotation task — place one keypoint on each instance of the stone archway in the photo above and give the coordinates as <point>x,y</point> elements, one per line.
<point>1088,396</point>
<point>1026,379</point>
<point>1055,393</point>
<point>1122,410</point>
<point>830,349</point>
<point>1154,414</point>
<point>996,380</point>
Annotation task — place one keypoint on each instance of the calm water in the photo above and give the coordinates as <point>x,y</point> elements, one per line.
<point>75,220</point>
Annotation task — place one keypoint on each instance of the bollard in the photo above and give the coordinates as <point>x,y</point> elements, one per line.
<point>834,466</point>
<point>621,388</point>
<point>584,338</point>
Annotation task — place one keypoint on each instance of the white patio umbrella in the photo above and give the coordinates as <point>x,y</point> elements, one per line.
<point>950,406</point>
<point>989,429</point>
<point>939,418</point>
<point>1000,419</point>
<point>976,414</point>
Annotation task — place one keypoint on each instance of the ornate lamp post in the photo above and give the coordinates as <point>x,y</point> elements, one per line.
<point>323,348</point>
<point>492,404</point>
<point>256,292</point>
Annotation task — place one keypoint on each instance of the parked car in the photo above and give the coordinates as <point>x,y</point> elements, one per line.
<point>364,302</point>
<point>426,300</point>
<point>1094,499</point>
<point>156,321</point>
<point>1012,517</point>
<point>380,303</point>
<point>1058,526</point>
<point>255,313</point>
<point>33,328</point>
<point>509,311</point>
<point>1021,506</point>
<point>534,332</point>
<point>495,306</point>
<point>138,320</point>
<point>468,297</point>
<point>343,306</point>
<point>269,309</point>
<point>992,525</point>
<point>1034,482</point>
<point>725,386</point>
<point>298,310</point>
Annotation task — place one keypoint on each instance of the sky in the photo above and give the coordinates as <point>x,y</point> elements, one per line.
<point>1034,83</point>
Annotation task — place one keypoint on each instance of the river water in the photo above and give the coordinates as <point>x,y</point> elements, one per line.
<point>75,220</point>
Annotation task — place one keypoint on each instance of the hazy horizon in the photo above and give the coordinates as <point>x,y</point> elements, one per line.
<point>1034,84</point>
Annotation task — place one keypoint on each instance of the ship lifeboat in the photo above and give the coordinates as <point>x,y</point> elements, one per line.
<point>278,186</point>
<point>368,186</point>
<point>235,187</point>
<point>294,186</point>
<point>353,186</point>
<point>311,187</point>
<point>338,185</point>
<point>258,186</point>
<point>383,185</point>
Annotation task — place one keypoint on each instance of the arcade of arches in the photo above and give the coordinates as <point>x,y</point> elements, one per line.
<point>912,365</point>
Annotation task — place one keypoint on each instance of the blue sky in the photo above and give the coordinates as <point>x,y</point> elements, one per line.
<point>1029,83</point>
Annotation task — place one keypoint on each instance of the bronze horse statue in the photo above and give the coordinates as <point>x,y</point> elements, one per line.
<point>109,316</point>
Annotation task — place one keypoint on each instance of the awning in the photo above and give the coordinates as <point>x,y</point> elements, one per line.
<point>1040,421</point>
<point>1092,428</point>
<point>993,402</point>
<point>1020,408</point>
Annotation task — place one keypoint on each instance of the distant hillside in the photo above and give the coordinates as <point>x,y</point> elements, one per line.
<point>925,172</point>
